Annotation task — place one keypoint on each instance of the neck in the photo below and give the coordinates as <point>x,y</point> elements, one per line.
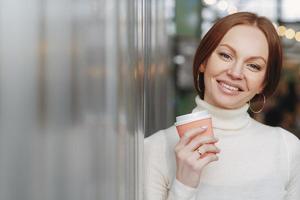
<point>226,119</point>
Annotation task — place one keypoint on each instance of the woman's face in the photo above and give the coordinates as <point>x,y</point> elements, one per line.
<point>235,71</point>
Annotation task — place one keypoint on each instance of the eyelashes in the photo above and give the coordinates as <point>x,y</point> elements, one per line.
<point>255,67</point>
<point>227,58</point>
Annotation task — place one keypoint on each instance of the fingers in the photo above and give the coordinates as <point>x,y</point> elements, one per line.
<point>204,149</point>
<point>201,163</point>
<point>196,164</point>
<point>208,148</point>
<point>188,136</point>
<point>193,157</point>
<point>199,141</point>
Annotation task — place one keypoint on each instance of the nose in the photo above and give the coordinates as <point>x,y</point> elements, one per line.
<point>236,71</point>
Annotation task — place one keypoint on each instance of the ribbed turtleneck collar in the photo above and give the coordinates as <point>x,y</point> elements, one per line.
<point>223,118</point>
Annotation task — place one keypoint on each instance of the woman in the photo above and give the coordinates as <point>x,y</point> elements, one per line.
<point>238,62</point>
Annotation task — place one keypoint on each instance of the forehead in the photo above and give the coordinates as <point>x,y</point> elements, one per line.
<point>247,40</point>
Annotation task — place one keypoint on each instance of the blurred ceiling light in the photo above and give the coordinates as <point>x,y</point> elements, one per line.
<point>281,30</point>
<point>179,59</point>
<point>210,2</point>
<point>223,5</point>
<point>290,33</point>
<point>232,9</point>
<point>297,36</point>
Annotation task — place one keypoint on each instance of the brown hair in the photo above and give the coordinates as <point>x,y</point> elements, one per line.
<point>214,36</point>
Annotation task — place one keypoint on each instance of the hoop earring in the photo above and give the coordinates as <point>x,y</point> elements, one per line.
<point>258,111</point>
<point>198,79</point>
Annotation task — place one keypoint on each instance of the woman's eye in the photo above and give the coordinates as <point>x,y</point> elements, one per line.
<point>225,56</point>
<point>254,67</point>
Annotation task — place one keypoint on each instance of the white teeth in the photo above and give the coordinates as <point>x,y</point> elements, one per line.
<point>229,87</point>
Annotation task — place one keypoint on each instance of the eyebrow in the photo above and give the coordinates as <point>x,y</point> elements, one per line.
<point>234,51</point>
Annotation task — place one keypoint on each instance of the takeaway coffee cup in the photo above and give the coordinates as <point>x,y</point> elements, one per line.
<point>194,120</point>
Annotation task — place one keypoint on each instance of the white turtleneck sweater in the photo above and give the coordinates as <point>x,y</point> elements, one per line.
<point>256,162</point>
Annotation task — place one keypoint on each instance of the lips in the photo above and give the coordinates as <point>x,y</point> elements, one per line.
<point>229,87</point>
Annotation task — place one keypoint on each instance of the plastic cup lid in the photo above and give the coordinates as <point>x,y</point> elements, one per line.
<point>192,116</point>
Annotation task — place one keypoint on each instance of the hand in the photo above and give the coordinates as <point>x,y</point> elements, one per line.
<point>189,162</point>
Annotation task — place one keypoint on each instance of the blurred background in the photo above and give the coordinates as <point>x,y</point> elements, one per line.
<point>83,81</point>
<point>194,18</point>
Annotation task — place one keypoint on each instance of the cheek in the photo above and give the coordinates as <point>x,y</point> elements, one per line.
<point>213,67</point>
<point>255,82</point>
<point>216,66</point>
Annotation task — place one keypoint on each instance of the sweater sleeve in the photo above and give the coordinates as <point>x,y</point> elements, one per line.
<point>180,191</point>
<point>293,153</point>
<point>156,180</point>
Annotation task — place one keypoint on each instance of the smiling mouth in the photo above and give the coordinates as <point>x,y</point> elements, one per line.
<point>229,88</point>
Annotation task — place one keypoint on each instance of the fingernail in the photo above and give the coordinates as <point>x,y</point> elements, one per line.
<point>204,127</point>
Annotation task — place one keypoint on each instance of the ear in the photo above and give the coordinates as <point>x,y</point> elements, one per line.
<point>261,89</point>
<point>202,68</point>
